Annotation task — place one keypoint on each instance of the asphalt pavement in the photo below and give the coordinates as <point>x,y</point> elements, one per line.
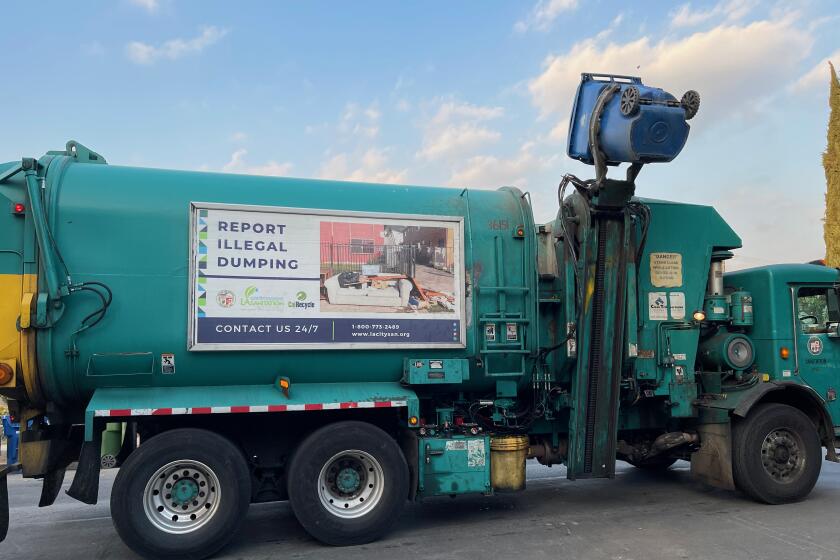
<point>636,516</point>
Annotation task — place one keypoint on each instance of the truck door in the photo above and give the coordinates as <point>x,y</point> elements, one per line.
<point>818,343</point>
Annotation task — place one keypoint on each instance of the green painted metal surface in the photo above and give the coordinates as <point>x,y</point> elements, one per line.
<point>813,356</point>
<point>435,372</point>
<point>606,248</point>
<point>129,228</point>
<point>178,400</point>
<point>456,465</point>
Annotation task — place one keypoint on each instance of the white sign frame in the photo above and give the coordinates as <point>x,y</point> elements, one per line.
<point>441,221</point>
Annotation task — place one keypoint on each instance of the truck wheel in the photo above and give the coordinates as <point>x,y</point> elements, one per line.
<point>348,483</point>
<point>776,456</point>
<point>183,493</point>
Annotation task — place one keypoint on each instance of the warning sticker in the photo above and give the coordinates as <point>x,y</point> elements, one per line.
<point>167,363</point>
<point>456,445</point>
<point>476,456</point>
<point>658,306</point>
<point>666,270</point>
<point>490,332</point>
<point>677,300</point>
<point>511,332</point>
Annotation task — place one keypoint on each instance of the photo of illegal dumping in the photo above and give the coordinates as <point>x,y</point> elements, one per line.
<point>387,268</point>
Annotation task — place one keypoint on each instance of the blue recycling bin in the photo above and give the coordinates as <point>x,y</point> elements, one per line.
<point>639,124</point>
<point>10,430</point>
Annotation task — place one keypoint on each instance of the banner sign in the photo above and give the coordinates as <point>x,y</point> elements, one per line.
<point>287,278</point>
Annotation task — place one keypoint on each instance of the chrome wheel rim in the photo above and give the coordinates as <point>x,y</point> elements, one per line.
<point>181,496</point>
<point>351,484</point>
<point>783,455</point>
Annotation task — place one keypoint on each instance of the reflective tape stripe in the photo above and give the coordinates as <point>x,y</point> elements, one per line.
<point>122,412</point>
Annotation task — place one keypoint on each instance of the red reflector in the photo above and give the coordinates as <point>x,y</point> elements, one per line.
<point>19,208</point>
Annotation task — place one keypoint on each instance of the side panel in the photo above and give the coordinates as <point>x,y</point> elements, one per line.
<point>130,229</point>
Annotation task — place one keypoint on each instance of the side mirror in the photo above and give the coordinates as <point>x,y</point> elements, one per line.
<point>834,330</point>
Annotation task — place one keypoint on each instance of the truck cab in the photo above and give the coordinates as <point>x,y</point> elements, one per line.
<point>795,333</point>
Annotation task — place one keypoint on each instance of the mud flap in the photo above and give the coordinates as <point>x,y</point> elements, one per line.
<point>4,506</point>
<point>4,499</point>
<point>51,487</point>
<point>712,463</point>
<point>85,487</point>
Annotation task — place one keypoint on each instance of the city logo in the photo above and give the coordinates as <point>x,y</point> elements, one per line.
<point>251,298</point>
<point>815,346</point>
<point>225,298</point>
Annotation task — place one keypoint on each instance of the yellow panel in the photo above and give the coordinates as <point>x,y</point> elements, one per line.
<point>18,345</point>
<point>11,291</point>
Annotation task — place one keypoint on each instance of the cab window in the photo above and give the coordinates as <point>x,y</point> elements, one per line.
<point>818,310</point>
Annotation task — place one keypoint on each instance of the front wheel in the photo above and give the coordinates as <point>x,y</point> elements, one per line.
<point>347,483</point>
<point>182,494</point>
<point>776,456</point>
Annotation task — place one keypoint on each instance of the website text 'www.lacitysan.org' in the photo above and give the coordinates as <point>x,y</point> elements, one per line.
<point>377,331</point>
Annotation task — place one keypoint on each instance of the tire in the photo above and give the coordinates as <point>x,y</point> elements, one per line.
<point>691,103</point>
<point>348,483</point>
<point>629,101</point>
<point>185,461</point>
<point>656,464</point>
<point>776,455</point>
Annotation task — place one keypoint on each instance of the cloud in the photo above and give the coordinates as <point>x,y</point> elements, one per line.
<point>729,10</point>
<point>458,128</point>
<point>486,171</point>
<point>146,54</point>
<point>150,6</point>
<point>767,239</point>
<point>730,65</point>
<point>360,121</point>
<point>237,164</point>
<point>544,13</point>
<point>817,78</point>
<point>370,167</point>
<point>238,136</point>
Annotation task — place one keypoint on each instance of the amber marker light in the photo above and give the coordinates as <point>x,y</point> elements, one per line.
<point>284,385</point>
<point>6,373</point>
<point>699,316</point>
<point>412,420</point>
<point>784,353</point>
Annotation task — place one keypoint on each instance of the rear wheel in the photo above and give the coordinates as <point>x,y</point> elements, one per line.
<point>348,483</point>
<point>182,494</point>
<point>776,456</point>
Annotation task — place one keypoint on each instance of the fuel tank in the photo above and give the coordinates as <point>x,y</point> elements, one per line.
<point>198,279</point>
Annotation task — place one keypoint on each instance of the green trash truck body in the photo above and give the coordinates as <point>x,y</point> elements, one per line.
<point>350,346</point>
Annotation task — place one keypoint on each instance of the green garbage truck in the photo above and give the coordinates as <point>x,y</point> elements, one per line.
<point>351,346</point>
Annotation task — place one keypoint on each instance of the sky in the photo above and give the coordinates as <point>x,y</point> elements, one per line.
<point>462,94</point>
